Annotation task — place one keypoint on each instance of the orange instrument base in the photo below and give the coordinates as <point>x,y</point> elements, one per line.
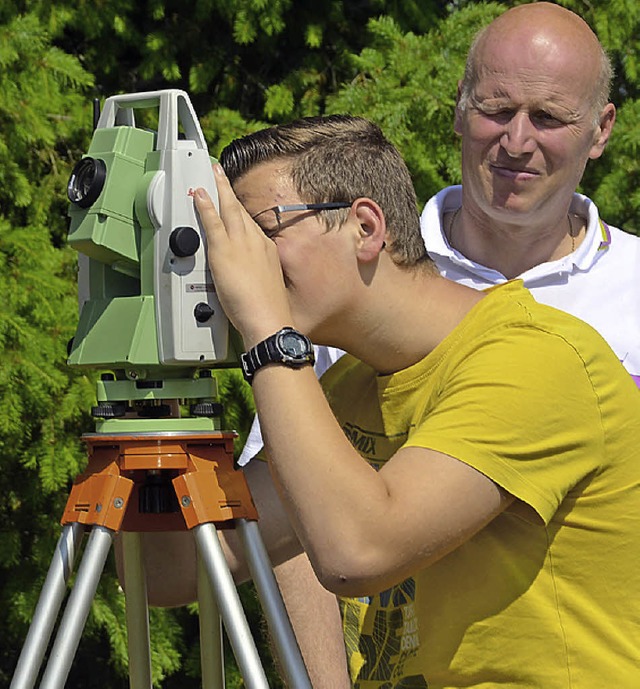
<point>199,466</point>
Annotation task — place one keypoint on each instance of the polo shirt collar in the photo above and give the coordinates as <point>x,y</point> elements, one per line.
<point>595,243</point>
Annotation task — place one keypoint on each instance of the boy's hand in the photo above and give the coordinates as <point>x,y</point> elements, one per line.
<point>244,264</point>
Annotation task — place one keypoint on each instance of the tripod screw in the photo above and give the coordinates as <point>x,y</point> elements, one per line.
<point>109,410</point>
<point>210,409</point>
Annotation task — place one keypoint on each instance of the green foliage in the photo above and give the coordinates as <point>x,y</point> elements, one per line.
<point>407,84</point>
<point>617,191</point>
<point>236,397</point>
<point>35,79</point>
<point>42,406</point>
<point>616,22</point>
<point>225,53</point>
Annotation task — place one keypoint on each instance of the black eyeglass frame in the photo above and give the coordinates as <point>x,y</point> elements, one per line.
<point>277,210</point>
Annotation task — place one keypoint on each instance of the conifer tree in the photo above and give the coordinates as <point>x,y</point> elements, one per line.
<point>41,405</point>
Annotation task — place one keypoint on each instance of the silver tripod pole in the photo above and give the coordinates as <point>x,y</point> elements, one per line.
<point>49,603</point>
<point>231,611</point>
<point>137,612</point>
<point>77,610</point>
<point>273,607</point>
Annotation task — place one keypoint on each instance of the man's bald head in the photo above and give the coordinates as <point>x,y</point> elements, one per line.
<point>549,29</point>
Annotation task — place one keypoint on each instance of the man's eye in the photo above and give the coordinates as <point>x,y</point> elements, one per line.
<point>502,116</point>
<point>499,114</point>
<point>546,118</point>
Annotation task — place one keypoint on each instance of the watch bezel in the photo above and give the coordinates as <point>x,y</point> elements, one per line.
<point>287,356</point>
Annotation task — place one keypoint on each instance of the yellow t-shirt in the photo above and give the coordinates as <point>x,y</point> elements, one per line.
<point>547,596</point>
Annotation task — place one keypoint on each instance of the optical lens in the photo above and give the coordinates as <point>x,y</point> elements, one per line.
<point>86,181</point>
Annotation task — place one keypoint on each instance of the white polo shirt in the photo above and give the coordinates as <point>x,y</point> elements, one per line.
<point>599,283</point>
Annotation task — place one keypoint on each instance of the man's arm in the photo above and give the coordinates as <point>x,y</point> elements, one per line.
<point>316,622</point>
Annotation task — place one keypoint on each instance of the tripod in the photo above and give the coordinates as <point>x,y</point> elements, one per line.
<point>152,481</point>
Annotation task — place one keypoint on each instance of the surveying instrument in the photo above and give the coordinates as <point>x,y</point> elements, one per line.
<point>158,461</point>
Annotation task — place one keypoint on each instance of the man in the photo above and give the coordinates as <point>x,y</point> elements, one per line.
<point>582,266</point>
<point>537,81</point>
<point>489,520</point>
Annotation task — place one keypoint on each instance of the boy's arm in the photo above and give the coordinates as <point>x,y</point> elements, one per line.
<point>352,521</point>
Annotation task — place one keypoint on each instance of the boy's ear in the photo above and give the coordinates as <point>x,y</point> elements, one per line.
<point>372,229</point>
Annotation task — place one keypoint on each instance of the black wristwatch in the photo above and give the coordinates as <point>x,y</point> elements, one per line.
<point>288,347</point>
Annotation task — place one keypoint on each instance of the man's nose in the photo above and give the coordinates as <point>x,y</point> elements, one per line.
<point>518,138</point>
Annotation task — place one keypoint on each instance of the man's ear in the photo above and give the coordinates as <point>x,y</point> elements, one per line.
<point>372,229</point>
<point>603,131</point>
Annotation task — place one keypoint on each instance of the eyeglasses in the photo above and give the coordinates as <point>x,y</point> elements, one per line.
<point>278,210</point>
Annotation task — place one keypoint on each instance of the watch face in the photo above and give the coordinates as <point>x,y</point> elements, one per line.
<point>293,345</point>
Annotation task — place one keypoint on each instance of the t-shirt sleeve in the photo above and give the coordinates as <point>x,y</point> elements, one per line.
<point>521,409</point>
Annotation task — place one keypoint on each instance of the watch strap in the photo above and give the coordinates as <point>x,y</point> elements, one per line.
<point>268,352</point>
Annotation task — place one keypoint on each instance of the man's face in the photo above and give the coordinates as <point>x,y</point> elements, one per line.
<point>312,258</point>
<point>527,131</point>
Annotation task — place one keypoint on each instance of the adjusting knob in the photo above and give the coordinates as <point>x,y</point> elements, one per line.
<point>184,241</point>
<point>203,312</point>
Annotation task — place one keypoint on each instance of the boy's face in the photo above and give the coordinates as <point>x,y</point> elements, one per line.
<point>315,262</point>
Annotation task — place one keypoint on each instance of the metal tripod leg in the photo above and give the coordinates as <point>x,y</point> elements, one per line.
<point>137,612</point>
<point>77,610</point>
<point>231,611</point>
<point>273,607</point>
<point>46,613</point>
<point>211,649</point>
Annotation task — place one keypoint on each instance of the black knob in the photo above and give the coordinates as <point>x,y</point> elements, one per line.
<point>184,241</point>
<point>203,312</point>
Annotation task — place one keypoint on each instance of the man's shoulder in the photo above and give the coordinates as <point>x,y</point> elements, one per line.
<point>621,237</point>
